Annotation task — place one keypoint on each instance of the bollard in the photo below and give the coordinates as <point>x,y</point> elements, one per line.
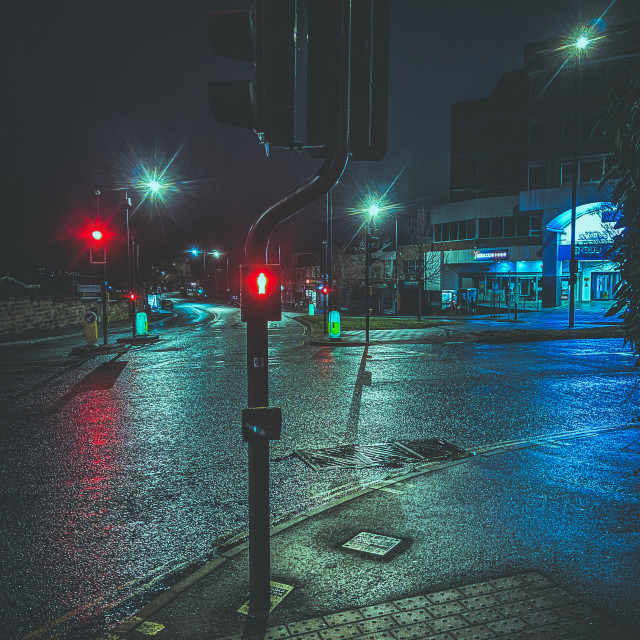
<point>334,325</point>
<point>91,327</point>
<point>142,325</point>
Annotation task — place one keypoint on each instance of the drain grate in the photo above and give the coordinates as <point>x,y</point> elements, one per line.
<point>372,543</point>
<point>382,454</point>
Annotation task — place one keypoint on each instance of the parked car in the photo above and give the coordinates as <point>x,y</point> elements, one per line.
<point>165,303</point>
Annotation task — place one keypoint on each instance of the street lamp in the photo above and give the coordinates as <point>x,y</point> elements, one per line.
<point>372,212</point>
<point>580,46</point>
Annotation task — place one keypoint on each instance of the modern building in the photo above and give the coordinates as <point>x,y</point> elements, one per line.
<point>507,228</point>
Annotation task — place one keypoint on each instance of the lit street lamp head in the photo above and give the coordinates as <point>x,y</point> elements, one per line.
<point>373,210</point>
<point>582,43</point>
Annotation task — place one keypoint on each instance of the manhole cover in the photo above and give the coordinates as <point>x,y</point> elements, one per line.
<point>382,454</point>
<point>372,543</point>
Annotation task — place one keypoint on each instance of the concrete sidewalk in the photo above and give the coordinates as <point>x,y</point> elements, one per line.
<point>543,324</point>
<point>532,539</point>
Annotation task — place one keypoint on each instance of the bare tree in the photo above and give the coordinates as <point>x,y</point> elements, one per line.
<point>427,262</point>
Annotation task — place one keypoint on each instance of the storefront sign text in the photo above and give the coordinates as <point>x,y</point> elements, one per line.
<point>490,255</point>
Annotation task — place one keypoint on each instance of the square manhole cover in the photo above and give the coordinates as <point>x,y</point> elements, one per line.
<point>372,543</point>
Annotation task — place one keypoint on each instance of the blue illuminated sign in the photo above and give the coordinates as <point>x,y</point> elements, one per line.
<point>585,252</point>
<point>490,255</point>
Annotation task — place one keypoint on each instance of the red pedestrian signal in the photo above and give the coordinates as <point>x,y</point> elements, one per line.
<point>325,290</point>
<point>132,297</point>
<point>97,247</point>
<point>260,292</point>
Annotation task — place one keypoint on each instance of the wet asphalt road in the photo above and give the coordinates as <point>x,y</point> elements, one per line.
<point>122,470</point>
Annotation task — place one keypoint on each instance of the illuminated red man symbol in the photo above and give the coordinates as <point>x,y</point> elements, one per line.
<point>262,284</point>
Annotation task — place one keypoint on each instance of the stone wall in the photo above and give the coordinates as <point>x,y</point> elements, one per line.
<point>23,314</point>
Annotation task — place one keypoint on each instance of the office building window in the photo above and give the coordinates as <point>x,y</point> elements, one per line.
<point>535,225</point>
<point>591,127</point>
<point>537,132</point>
<point>566,171</point>
<point>567,130</point>
<point>496,228</point>
<point>509,227</point>
<point>437,232</point>
<point>590,171</point>
<point>484,228</point>
<point>471,229</point>
<point>522,226</point>
<point>537,176</point>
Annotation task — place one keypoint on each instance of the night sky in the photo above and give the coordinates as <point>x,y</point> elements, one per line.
<point>95,89</point>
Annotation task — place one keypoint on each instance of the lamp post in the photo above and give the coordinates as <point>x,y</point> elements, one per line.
<point>195,252</point>
<point>580,47</point>
<point>372,211</point>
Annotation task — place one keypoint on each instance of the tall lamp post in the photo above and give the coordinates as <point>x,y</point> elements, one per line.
<point>580,47</point>
<point>372,211</point>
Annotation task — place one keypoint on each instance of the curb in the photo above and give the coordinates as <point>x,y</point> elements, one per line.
<point>239,542</point>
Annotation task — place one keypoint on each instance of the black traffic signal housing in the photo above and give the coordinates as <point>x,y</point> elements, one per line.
<point>266,36</point>
<point>97,246</point>
<point>260,292</point>
<point>369,77</point>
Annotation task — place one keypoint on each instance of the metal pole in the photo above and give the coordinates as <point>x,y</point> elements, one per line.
<point>104,299</point>
<point>574,195</point>
<point>324,283</point>
<point>257,341</point>
<point>395,300</point>
<point>366,280</point>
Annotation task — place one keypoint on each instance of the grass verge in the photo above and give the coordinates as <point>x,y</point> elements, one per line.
<point>350,323</point>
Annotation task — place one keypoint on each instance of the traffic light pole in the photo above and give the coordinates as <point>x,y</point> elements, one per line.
<point>104,300</point>
<point>257,346</point>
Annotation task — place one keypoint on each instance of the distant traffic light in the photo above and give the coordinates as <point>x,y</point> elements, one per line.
<point>260,292</point>
<point>325,290</point>
<point>97,247</point>
<point>132,297</point>
<point>266,36</point>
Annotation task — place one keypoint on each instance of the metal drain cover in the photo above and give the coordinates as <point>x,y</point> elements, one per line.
<point>382,454</point>
<point>372,543</point>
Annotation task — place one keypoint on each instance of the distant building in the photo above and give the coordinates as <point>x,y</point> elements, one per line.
<point>507,228</point>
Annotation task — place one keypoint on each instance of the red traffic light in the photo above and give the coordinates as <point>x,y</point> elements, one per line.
<point>132,297</point>
<point>97,246</point>
<point>325,290</point>
<point>260,292</point>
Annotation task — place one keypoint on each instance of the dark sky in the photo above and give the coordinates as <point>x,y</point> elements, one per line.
<point>93,88</point>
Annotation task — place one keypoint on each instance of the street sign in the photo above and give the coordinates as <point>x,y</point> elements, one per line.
<point>89,288</point>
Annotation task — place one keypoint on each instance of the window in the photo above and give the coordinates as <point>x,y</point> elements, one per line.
<point>535,225</point>
<point>537,176</point>
<point>567,130</point>
<point>437,232</point>
<point>445,232</point>
<point>566,171</point>
<point>496,228</point>
<point>522,226</point>
<point>484,228</point>
<point>591,170</point>
<point>591,127</point>
<point>537,132</point>
<point>509,227</point>
<point>453,231</point>
<point>409,267</point>
<point>471,229</point>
